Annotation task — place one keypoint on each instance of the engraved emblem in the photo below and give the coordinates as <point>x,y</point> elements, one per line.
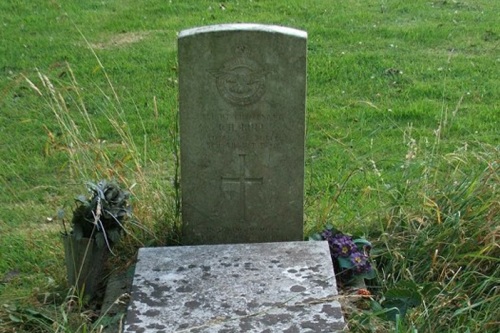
<point>240,81</point>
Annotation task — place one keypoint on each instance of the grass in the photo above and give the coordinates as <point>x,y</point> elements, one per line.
<point>402,141</point>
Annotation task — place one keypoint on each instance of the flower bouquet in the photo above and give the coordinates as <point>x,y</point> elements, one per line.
<point>98,222</point>
<point>350,257</point>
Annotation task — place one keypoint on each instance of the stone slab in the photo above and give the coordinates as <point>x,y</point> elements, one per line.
<point>269,287</point>
<point>242,96</point>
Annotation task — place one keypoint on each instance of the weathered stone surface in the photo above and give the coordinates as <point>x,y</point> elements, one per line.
<point>242,91</point>
<point>116,298</point>
<point>270,287</point>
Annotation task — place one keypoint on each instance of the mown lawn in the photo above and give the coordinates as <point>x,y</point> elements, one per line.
<point>402,141</point>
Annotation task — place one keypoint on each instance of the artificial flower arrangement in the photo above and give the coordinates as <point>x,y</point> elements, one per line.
<point>98,223</point>
<point>102,215</point>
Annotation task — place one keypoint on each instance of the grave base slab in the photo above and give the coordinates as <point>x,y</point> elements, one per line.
<point>266,287</point>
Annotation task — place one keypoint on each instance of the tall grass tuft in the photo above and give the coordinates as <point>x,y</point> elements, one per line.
<point>441,233</point>
<point>98,144</point>
<point>90,157</point>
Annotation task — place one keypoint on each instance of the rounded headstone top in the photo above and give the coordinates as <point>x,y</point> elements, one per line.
<point>243,27</point>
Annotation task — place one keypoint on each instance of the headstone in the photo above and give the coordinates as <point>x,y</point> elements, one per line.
<point>242,91</point>
<point>242,122</point>
<point>270,287</point>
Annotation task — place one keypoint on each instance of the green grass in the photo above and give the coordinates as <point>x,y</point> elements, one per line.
<point>402,141</point>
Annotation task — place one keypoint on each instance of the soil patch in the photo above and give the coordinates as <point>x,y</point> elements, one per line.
<point>122,39</point>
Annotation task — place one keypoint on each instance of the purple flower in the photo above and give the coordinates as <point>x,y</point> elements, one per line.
<point>360,262</point>
<point>357,259</point>
<point>326,234</point>
<point>342,246</point>
<point>351,258</point>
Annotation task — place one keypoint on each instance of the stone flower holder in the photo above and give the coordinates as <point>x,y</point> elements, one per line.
<point>84,263</point>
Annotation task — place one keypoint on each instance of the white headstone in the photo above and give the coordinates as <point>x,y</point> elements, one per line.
<point>242,90</point>
<point>242,123</point>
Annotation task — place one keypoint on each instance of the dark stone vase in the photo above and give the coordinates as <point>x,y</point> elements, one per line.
<point>85,263</point>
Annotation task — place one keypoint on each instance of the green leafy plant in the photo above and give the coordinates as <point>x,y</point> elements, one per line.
<point>29,319</point>
<point>101,215</point>
<point>398,300</point>
<point>350,256</point>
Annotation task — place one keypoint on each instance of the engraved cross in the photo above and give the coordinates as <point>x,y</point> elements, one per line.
<point>242,180</point>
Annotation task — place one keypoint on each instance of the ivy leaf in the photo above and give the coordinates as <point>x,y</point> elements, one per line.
<point>315,237</point>
<point>369,275</point>
<point>360,242</point>
<point>395,309</point>
<point>409,296</point>
<point>430,290</point>
<point>15,319</point>
<point>345,262</point>
<point>82,199</point>
<point>375,306</point>
<point>401,298</point>
<point>114,235</point>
